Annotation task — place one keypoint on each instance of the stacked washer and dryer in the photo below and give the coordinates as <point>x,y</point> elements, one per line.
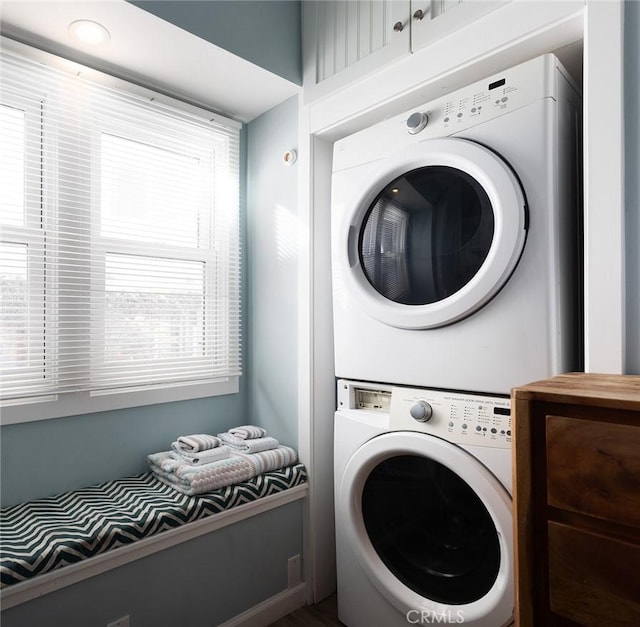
<point>456,276</point>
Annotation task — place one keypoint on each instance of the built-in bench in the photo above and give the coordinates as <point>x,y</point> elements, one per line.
<point>56,541</point>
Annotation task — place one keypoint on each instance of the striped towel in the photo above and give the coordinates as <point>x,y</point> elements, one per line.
<point>197,442</point>
<point>254,445</point>
<point>266,461</point>
<point>248,432</point>
<point>203,457</point>
<point>235,469</point>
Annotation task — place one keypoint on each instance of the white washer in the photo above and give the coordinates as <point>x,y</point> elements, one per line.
<point>455,237</point>
<point>423,508</point>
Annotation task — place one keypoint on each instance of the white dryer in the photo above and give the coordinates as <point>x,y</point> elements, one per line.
<point>423,507</point>
<point>456,237</point>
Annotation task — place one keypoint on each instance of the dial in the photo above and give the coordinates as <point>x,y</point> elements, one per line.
<point>421,411</point>
<point>416,122</point>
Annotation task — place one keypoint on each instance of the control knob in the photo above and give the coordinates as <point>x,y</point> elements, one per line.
<point>421,411</point>
<point>416,122</point>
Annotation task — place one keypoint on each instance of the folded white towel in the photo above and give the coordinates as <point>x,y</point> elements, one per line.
<point>197,442</point>
<point>198,479</point>
<point>206,477</point>
<point>163,465</point>
<point>254,445</point>
<point>248,432</point>
<point>203,457</point>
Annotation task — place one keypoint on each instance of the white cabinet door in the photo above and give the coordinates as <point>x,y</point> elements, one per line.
<point>345,39</point>
<point>432,20</point>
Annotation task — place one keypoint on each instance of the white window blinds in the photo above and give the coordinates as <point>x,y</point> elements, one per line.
<point>119,241</point>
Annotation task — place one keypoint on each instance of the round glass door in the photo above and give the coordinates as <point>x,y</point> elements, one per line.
<point>427,235</point>
<point>430,526</point>
<point>435,235</point>
<point>430,529</point>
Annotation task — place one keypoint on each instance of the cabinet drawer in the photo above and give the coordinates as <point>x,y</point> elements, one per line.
<point>593,579</point>
<point>594,468</point>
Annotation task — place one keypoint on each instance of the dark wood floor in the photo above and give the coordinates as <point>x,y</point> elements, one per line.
<point>323,614</point>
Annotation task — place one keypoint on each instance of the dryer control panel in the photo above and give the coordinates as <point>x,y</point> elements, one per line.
<point>454,416</point>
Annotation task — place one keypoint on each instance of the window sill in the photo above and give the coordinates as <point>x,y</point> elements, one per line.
<point>57,406</point>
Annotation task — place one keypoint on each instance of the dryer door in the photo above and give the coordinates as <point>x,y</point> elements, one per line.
<point>435,235</point>
<point>431,528</point>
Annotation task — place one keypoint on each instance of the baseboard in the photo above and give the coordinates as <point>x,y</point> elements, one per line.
<point>270,610</point>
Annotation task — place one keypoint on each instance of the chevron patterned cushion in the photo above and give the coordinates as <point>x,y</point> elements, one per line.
<point>40,536</point>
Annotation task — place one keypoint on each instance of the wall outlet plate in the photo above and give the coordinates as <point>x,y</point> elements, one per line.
<point>294,573</point>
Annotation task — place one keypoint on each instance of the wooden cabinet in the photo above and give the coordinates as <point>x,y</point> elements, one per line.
<point>577,501</point>
<point>346,39</point>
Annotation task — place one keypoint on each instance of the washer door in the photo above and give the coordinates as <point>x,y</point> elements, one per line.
<point>431,527</point>
<point>436,235</point>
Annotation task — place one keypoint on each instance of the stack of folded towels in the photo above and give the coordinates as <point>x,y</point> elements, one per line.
<point>201,462</point>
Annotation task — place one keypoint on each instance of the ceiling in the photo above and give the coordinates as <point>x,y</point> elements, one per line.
<point>151,52</point>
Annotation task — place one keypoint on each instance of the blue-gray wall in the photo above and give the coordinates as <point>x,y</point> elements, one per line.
<point>272,264</point>
<point>50,456</point>
<point>264,32</point>
<point>632,186</point>
<point>47,457</point>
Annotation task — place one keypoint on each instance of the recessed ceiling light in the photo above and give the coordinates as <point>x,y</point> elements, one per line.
<point>89,32</point>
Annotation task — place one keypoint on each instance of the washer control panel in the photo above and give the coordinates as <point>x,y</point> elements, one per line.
<point>478,103</point>
<point>454,416</point>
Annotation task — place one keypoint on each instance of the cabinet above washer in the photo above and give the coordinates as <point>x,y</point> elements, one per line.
<point>346,39</point>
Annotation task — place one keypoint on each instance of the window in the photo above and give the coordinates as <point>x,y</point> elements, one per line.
<point>119,246</point>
